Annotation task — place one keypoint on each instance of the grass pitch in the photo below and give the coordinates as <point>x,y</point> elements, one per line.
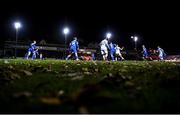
<point>56,86</point>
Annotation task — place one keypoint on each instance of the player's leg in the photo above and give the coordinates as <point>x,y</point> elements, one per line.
<point>28,54</point>
<point>120,55</point>
<point>161,56</point>
<point>75,53</point>
<point>112,55</point>
<point>106,54</point>
<point>67,58</point>
<point>69,55</point>
<point>34,56</point>
<point>116,56</point>
<point>103,54</point>
<point>76,56</point>
<point>146,55</point>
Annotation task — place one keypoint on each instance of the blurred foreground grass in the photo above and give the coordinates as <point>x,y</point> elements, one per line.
<point>56,86</point>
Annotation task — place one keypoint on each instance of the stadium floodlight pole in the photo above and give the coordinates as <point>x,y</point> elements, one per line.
<point>135,38</point>
<point>108,35</point>
<point>65,31</point>
<point>17,26</point>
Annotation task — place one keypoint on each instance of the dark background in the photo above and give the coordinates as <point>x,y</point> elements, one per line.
<point>154,22</point>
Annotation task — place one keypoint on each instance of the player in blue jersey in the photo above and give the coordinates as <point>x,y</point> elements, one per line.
<point>31,49</point>
<point>144,52</point>
<point>35,53</point>
<point>112,50</point>
<point>73,47</point>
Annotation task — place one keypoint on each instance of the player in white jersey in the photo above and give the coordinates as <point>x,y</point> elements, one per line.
<point>104,48</point>
<point>161,52</point>
<point>118,53</point>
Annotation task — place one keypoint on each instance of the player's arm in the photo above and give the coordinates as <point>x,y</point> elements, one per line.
<point>70,44</point>
<point>107,45</point>
<point>37,53</point>
<point>122,48</point>
<point>32,44</point>
<point>77,45</point>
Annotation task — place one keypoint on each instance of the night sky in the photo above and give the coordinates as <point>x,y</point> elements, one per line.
<point>155,23</point>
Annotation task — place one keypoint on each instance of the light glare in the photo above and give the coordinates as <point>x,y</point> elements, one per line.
<point>108,35</point>
<point>135,38</point>
<point>66,30</point>
<point>17,25</point>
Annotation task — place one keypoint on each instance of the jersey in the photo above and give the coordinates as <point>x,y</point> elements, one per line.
<point>117,50</point>
<point>161,51</point>
<point>32,47</point>
<point>112,48</point>
<point>74,45</point>
<point>104,45</point>
<point>162,54</point>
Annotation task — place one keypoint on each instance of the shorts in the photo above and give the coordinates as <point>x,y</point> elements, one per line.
<point>118,54</point>
<point>104,52</point>
<point>73,51</point>
<point>112,52</point>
